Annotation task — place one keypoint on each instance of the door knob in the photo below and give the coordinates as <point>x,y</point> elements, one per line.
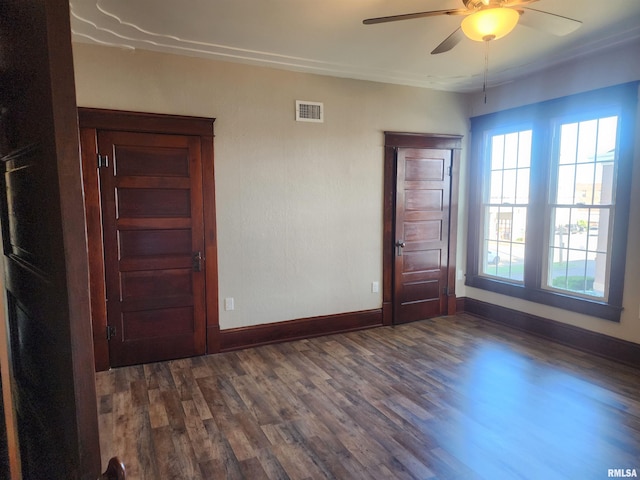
<point>197,261</point>
<point>400,244</point>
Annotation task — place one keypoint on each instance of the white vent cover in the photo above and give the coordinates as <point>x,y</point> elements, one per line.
<point>309,111</point>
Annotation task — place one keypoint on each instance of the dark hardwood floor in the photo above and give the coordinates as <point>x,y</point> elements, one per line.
<point>446,398</point>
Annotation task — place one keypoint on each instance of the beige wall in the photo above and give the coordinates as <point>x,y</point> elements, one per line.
<point>605,68</point>
<point>299,205</point>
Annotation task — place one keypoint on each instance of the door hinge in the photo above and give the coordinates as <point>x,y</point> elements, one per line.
<point>103,161</point>
<point>449,171</point>
<point>445,291</point>
<point>111,332</point>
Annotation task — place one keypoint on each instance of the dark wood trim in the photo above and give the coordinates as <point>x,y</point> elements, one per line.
<point>585,340</point>
<point>83,459</point>
<point>213,337</point>
<point>423,140</point>
<point>388,248</point>
<point>453,225</point>
<point>93,214</point>
<point>48,347</point>
<point>460,304</point>
<point>92,120</point>
<point>452,303</point>
<point>393,141</point>
<point>244,337</point>
<point>105,119</point>
<point>387,313</point>
<point>548,297</point>
<point>211,244</point>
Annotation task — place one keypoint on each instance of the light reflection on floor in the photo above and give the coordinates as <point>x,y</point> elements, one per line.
<point>534,418</point>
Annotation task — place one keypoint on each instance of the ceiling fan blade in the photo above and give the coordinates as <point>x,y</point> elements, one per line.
<point>409,16</point>
<point>548,22</point>
<point>449,42</point>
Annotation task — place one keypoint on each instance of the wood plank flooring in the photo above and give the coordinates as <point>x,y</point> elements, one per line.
<point>446,398</point>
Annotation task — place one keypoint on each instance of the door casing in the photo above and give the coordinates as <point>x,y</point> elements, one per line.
<point>91,121</point>
<point>393,141</point>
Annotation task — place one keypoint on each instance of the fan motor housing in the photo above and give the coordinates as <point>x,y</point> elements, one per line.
<point>476,4</point>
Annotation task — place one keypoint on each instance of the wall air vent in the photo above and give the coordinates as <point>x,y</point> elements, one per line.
<point>309,111</point>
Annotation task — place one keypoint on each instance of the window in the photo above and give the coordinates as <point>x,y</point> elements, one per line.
<point>506,200</point>
<point>582,199</point>
<point>549,200</point>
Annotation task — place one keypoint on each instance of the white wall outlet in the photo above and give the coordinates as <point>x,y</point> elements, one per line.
<point>229,303</point>
<point>375,287</point>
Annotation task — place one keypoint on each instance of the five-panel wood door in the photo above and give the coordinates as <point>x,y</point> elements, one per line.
<point>421,233</point>
<point>153,233</point>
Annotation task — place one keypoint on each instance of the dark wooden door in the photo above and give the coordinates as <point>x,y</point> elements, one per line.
<point>421,233</point>
<point>152,212</point>
<point>44,249</point>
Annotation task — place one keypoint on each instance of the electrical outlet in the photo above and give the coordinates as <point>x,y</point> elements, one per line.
<point>375,287</point>
<point>229,303</point>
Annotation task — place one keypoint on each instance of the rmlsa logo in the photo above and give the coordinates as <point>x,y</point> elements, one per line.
<point>622,472</point>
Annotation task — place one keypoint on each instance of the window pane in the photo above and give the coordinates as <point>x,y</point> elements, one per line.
<point>587,136</point>
<point>497,152</point>
<point>503,254</point>
<point>571,266</point>
<point>524,149</point>
<point>598,230</point>
<point>522,191</point>
<point>496,187</point>
<point>509,186</point>
<point>568,143</point>
<point>561,227</point>
<point>491,223</point>
<point>566,184</point>
<point>511,150</point>
<point>584,183</point>
<point>603,183</point>
<point>607,137</point>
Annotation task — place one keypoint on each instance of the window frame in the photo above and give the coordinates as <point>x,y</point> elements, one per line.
<point>543,118</point>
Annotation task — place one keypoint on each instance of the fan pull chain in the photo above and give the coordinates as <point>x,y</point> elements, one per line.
<point>486,69</point>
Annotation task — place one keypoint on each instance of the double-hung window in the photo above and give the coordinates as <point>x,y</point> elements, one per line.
<point>505,204</point>
<point>549,200</point>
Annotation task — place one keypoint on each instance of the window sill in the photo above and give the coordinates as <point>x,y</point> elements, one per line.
<point>581,305</point>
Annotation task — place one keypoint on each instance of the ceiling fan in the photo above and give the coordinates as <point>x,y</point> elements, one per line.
<point>486,20</point>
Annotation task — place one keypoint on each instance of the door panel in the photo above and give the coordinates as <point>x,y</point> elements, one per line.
<point>153,226</point>
<point>421,233</point>
<point>143,243</point>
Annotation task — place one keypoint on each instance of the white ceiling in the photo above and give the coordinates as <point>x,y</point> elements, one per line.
<point>327,36</point>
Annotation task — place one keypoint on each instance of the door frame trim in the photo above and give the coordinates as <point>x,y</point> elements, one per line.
<point>91,120</point>
<point>393,141</point>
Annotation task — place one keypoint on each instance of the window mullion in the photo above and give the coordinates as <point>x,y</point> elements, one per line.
<point>539,212</point>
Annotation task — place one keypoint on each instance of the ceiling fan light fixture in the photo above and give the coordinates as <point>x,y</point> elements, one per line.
<point>490,23</point>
